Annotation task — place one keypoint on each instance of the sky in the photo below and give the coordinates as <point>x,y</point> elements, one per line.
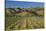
<point>23,4</point>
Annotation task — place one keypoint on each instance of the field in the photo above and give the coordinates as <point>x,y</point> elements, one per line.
<point>22,20</point>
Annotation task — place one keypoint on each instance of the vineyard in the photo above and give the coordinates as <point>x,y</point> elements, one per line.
<point>22,20</point>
